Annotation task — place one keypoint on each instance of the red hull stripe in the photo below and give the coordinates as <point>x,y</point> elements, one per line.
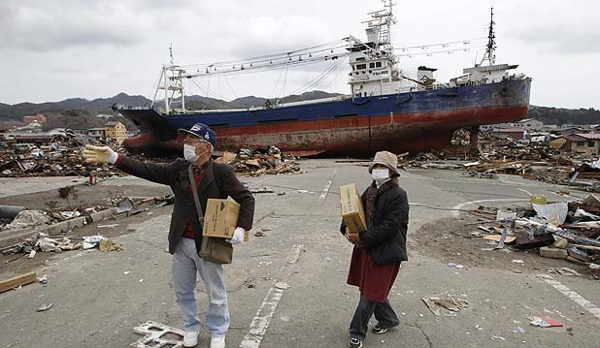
<point>424,121</point>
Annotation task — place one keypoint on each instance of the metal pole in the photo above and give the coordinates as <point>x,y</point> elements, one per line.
<point>182,92</point>
<point>166,90</point>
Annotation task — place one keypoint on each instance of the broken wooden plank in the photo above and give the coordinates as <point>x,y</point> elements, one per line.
<point>17,281</point>
<point>483,215</point>
<point>586,247</point>
<point>497,237</point>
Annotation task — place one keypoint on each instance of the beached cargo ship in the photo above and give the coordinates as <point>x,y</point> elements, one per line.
<point>386,109</point>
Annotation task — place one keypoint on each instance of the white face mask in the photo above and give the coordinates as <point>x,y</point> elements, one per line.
<point>189,153</point>
<point>380,175</point>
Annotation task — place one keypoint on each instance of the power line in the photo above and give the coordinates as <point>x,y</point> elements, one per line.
<point>467,49</point>
<point>443,44</point>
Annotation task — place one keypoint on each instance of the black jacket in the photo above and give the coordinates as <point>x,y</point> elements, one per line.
<point>386,239</point>
<point>219,181</point>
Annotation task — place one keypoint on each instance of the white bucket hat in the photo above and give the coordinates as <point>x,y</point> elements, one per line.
<point>387,159</point>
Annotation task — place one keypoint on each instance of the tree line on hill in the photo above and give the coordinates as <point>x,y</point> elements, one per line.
<point>561,116</point>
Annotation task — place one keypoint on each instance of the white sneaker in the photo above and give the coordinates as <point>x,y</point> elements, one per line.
<point>217,342</point>
<point>190,338</point>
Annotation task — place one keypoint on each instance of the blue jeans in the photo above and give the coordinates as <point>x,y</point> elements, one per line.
<point>185,265</point>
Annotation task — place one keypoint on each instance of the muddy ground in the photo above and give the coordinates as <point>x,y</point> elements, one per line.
<point>450,241</point>
<point>86,196</point>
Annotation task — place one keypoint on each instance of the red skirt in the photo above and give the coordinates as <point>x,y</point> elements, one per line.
<point>374,281</point>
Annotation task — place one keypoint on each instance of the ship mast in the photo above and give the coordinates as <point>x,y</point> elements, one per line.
<point>380,27</point>
<point>491,46</point>
<point>171,82</point>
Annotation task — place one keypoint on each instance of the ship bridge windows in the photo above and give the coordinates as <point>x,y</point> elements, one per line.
<point>361,66</point>
<point>374,65</point>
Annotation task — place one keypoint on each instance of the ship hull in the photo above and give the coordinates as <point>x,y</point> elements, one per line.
<point>355,127</point>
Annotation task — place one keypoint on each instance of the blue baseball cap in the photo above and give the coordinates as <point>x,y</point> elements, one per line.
<point>202,131</point>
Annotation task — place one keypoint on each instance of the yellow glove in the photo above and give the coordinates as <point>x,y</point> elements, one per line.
<point>99,154</point>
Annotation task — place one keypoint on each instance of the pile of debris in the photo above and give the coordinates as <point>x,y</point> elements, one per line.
<point>31,160</point>
<point>24,230</point>
<point>562,230</point>
<point>535,161</point>
<point>259,161</point>
<point>41,242</point>
<point>60,157</point>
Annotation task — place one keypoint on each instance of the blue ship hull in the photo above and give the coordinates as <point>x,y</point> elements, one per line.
<point>355,126</point>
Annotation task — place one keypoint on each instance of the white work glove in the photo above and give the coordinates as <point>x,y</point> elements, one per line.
<point>238,236</point>
<point>99,154</point>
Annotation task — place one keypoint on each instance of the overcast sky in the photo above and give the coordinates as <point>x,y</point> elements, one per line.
<point>53,50</point>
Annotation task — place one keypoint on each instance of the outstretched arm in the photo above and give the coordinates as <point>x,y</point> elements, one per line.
<point>159,173</point>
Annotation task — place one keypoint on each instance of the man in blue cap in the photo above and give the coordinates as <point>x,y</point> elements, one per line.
<point>211,180</point>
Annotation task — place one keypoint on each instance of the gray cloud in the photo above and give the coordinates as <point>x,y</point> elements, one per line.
<point>98,48</point>
<point>49,26</point>
<point>562,38</point>
<point>565,27</point>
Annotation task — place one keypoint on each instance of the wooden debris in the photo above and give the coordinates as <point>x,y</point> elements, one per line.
<point>17,281</point>
<point>257,162</point>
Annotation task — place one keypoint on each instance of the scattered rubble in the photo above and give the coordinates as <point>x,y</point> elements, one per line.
<point>44,307</point>
<point>158,335</point>
<point>535,160</point>
<point>256,162</point>
<point>544,322</point>
<point>450,302</point>
<point>33,231</point>
<point>42,243</point>
<point>62,157</point>
<point>17,282</point>
<point>107,245</point>
<point>77,214</point>
<point>562,230</point>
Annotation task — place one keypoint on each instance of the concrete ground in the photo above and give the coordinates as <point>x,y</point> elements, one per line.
<point>98,298</point>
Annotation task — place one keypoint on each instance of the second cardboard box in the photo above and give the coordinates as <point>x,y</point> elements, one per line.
<point>352,209</point>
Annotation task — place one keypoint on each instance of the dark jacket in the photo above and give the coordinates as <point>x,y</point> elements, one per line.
<point>219,181</point>
<point>386,239</point>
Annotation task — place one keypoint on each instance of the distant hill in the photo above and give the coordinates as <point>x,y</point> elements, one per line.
<point>561,116</point>
<point>196,102</point>
<point>96,106</point>
<point>104,104</point>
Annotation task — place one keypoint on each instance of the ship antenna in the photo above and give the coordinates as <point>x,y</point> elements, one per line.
<point>491,46</point>
<point>171,52</point>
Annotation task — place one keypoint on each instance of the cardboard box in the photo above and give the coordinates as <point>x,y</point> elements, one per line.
<point>352,209</point>
<point>220,218</point>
